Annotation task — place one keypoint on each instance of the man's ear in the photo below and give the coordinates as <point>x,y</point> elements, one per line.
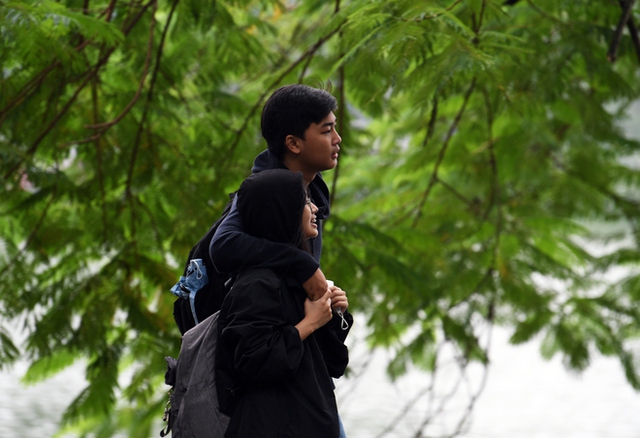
<point>292,143</point>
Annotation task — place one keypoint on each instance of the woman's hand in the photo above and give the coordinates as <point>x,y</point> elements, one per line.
<point>338,298</point>
<point>316,314</point>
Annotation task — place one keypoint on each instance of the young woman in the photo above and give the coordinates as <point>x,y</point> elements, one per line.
<point>278,351</point>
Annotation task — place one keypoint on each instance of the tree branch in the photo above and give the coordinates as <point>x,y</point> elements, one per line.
<point>145,71</point>
<point>617,34</point>
<point>108,11</point>
<point>429,389</point>
<point>633,30</point>
<point>39,77</point>
<point>34,83</point>
<point>462,363</point>
<point>88,77</point>
<point>452,130</point>
<point>477,25</point>
<point>149,96</point>
<point>473,206</point>
<point>141,124</point>
<point>495,184</point>
<point>62,112</point>
<point>494,199</point>
<point>475,396</point>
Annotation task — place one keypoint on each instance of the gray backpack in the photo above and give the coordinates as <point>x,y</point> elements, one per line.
<point>193,409</point>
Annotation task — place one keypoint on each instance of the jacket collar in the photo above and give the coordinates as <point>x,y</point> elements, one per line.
<point>318,188</point>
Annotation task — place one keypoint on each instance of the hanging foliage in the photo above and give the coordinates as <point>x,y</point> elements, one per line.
<point>485,177</point>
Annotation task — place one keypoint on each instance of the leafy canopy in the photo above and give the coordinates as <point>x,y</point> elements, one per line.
<point>485,177</point>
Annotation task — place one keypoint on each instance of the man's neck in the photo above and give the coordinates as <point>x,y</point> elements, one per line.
<point>294,166</point>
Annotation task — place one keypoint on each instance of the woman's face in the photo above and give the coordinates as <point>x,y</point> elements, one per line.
<point>309,225</point>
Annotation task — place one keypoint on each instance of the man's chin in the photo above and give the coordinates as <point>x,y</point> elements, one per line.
<point>333,165</point>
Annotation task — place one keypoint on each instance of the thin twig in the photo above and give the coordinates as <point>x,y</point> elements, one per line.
<point>431,125</point>
<point>476,395</point>
<point>33,232</point>
<point>427,390</point>
<point>145,71</point>
<point>341,119</point>
<point>493,201</point>
<point>462,364</point>
<point>149,98</point>
<point>482,11</point>
<point>447,9</point>
<point>136,144</point>
<point>492,156</point>
<point>142,123</point>
<point>341,111</point>
<point>452,130</point>
<point>303,71</point>
<point>485,278</point>
<point>472,205</point>
<point>99,164</point>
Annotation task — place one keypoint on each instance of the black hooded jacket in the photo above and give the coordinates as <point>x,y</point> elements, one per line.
<point>270,382</point>
<point>232,249</point>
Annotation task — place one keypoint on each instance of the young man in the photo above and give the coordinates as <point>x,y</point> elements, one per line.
<point>300,129</point>
<point>299,126</point>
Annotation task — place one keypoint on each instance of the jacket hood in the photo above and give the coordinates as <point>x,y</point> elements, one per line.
<point>318,190</point>
<point>270,204</point>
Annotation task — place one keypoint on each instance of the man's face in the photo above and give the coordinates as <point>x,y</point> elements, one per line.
<point>320,147</point>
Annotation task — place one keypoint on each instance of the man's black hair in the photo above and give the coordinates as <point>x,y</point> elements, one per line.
<point>291,110</point>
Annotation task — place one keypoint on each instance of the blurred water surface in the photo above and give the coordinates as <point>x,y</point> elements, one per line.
<point>525,397</point>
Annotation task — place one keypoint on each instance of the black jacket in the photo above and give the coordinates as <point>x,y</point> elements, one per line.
<point>272,384</point>
<point>232,249</point>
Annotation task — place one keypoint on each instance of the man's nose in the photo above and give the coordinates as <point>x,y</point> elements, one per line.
<point>337,139</point>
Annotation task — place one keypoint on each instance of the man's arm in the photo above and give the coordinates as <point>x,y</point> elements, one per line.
<point>232,250</point>
<point>316,285</point>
